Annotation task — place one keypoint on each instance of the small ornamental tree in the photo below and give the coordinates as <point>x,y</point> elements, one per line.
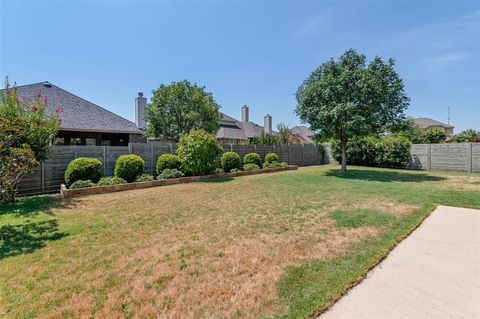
<point>348,98</point>
<point>26,133</point>
<point>177,108</point>
<point>435,135</point>
<point>198,151</point>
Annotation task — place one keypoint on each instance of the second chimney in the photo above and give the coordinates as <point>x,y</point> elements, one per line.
<point>245,113</point>
<point>140,105</point>
<point>267,124</point>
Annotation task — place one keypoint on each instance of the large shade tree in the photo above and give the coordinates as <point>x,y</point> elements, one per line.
<point>350,97</point>
<point>178,108</point>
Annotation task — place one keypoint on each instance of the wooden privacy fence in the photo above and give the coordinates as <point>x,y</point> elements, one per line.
<point>463,157</point>
<point>50,174</point>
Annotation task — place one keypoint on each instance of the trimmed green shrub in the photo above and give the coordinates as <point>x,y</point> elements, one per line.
<point>360,151</point>
<point>82,184</point>
<point>229,161</point>
<point>270,158</point>
<point>145,178</point>
<point>252,158</point>
<point>390,151</point>
<point>111,180</point>
<point>129,167</point>
<point>198,151</point>
<point>393,152</point>
<point>275,164</point>
<point>170,173</point>
<point>83,168</point>
<point>219,170</point>
<point>250,166</point>
<point>234,170</point>
<point>165,161</point>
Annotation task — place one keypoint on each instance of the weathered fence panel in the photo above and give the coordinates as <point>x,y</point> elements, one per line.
<point>464,157</point>
<point>48,177</point>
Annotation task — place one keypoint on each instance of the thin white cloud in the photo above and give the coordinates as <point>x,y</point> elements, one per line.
<point>445,60</point>
<point>315,24</point>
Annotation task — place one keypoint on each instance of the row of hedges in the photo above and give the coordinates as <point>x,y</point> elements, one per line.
<point>197,154</point>
<point>127,168</point>
<point>389,151</point>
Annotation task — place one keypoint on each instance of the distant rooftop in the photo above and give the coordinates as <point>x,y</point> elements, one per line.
<point>425,122</point>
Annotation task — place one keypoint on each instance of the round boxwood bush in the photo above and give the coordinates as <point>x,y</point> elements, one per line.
<point>165,161</point>
<point>144,178</point>
<point>230,161</point>
<point>111,180</point>
<point>129,167</point>
<point>198,151</point>
<point>83,168</point>
<point>252,158</point>
<point>81,184</point>
<point>250,167</point>
<point>170,173</point>
<point>271,157</point>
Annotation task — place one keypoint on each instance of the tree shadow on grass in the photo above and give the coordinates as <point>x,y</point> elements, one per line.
<point>27,237</point>
<point>384,176</point>
<point>29,206</point>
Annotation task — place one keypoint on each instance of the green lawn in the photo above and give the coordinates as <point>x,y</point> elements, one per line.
<point>277,245</point>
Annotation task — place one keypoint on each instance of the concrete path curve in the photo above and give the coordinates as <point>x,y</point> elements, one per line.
<point>434,273</point>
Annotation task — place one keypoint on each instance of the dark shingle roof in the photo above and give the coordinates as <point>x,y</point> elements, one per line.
<point>425,122</point>
<point>77,113</point>
<point>240,130</point>
<point>304,132</point>
<point>227,118</point>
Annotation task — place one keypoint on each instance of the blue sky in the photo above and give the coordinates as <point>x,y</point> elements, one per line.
<point>254,53</point>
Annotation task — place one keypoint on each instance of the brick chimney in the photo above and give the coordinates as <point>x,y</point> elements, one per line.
<point>267,124</point>
<point>245,113</point>
<point>140,105</point>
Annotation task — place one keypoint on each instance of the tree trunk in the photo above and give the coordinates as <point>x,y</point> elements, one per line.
<point>344,155</point>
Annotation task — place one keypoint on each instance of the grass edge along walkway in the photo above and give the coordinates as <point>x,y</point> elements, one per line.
<point>298,287</point>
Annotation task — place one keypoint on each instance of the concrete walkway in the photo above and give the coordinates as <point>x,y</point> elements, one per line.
<point>434,273</point>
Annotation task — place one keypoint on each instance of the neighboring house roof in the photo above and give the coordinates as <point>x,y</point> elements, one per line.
<point>425,122</point>
<point>76,113</point>
<point>303,132</point>
<point>226,118</point>
<point>240,130</point>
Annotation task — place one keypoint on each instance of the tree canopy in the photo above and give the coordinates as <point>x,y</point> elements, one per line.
<point>349,97</point>
<point>178,108</point>
<point>435,135</point>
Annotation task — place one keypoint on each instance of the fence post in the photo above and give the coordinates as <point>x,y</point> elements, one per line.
<point>74,151</point>
<point>429,162</point>
<point>151,158</point>
<point>231,147</point>
<point>469,157</point>
<point>104,160</point>
<point>43,177</point>
<point>303,155</point>
<point>171,148</point>
<point>288,152</point>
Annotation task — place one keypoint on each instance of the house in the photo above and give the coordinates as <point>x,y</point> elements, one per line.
<point>426,124</point>
<point>83,122</point>
<point>233,131</point>
<point>302,134</point>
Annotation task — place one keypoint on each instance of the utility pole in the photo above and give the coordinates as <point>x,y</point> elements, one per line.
<point>448,115</point>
